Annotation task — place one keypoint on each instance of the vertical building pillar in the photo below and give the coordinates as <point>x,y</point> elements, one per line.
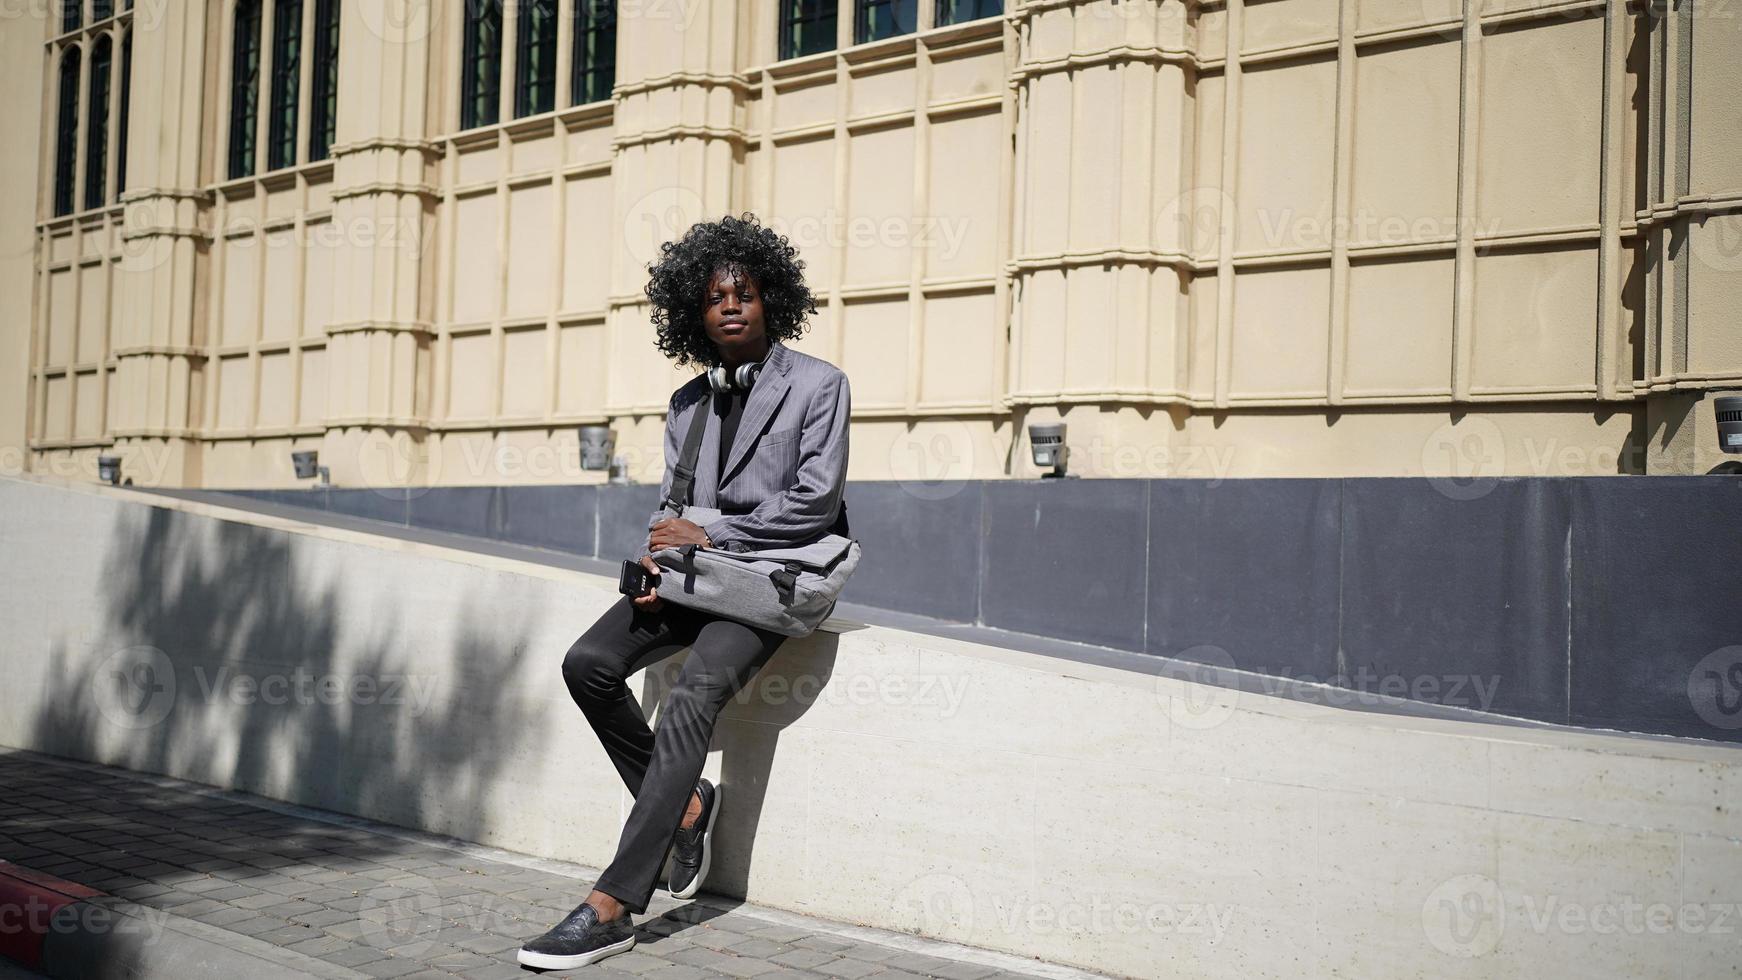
<point>680,130</point>
<point>384,195</point>
<point>160,335</point>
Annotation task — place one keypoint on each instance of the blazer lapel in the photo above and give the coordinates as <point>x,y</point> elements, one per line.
<point>765,396</point>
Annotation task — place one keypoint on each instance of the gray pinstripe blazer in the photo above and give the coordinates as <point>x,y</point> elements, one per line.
<point>787,466</point>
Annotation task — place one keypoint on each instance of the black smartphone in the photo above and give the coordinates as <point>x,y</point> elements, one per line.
<point>636,580</point>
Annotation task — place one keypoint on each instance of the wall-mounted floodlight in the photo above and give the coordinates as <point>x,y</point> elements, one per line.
<point>1728,409</point>
<point>1047,441</point>
<point>109,470</point>
<point>307,464</point>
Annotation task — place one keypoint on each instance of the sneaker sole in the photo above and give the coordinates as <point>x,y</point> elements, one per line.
<point>550,961</point>
<point>707,850</point>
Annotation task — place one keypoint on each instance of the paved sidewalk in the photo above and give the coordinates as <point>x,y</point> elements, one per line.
<point>353,897</point>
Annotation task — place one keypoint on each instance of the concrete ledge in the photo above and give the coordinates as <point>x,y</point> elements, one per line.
<point>1080,813</point>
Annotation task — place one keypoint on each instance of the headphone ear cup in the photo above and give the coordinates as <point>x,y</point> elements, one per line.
<point>717,379</point>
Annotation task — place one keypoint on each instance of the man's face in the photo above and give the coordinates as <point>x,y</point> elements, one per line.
<point>732,313</point>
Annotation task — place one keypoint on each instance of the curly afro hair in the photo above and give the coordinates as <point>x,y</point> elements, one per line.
<point>679,281</point>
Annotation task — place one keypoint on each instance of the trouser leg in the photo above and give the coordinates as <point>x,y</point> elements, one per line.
<point>624,640</point>
<point>726,655</point>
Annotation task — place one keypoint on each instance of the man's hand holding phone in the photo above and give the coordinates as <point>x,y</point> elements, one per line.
<point>648,600</point>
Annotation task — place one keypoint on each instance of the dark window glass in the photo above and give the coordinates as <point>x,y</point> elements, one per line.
<point>879,19</point>
<point>535,58</point>
<point>286,76</point>
<point>595,61</point>
<point>66,132</point>
<point>244,87</point>
<point>806,27</point>
<point>102,10</point>
<point>97,123</point>
<point>324,106</point>
<point>959,11</point>
<point>481,67</point>
<point>70,12</point>
<point>126,106</point>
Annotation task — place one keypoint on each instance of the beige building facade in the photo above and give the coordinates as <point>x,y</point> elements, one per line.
<point>1217,239</point>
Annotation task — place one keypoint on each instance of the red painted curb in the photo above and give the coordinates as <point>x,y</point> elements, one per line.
<point>28,901</point>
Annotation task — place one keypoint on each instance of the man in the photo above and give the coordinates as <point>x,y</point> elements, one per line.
<point>728,294</point>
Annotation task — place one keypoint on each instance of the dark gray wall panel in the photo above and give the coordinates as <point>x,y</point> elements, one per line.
<point>1066,558</point>
<point>383,504</point>
<point>1463,597</point>
<point>623,513</point>
<point>1454,593</point>
<point>1657,572</point>
<point>460,510</point>
<point>1249,567</point>
<point>559,518</point>
<point>919,547</point>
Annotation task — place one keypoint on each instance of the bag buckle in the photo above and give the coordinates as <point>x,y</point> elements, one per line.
<point>785,580</point>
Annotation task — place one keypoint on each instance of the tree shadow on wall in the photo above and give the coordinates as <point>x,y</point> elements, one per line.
<point>232,666</point>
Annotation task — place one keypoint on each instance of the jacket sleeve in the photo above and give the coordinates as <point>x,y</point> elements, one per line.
<point>802,512</point>
<point>671,454</point>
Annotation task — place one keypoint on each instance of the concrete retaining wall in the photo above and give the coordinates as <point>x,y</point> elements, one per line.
<point>1083,814</point>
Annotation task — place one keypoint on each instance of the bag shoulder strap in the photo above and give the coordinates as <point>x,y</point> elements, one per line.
<point>686,464</point>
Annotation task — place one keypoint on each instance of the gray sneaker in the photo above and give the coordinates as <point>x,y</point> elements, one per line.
<point>579,939</point>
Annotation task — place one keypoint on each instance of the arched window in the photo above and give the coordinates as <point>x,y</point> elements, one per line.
<point>244,87</point>
<point>535,58</point>
<point>324,104</point>
<point>66,142</point>
<point>595,60</point>
<point>481,64</point>
<point>286,77</point>
<point>126,104</point>
<point>97,123</point>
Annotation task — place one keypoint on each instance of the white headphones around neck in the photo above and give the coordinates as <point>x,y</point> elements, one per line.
<point>724,381</point>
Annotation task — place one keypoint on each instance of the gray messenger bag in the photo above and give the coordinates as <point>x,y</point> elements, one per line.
<point>789,589</point>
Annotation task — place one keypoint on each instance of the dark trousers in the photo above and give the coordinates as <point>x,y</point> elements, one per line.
<point>660,769</point>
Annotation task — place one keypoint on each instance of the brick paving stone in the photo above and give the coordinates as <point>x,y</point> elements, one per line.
<point>386,906</point>
<point>918,963</point>
<point>355,956</point>
<point>873,953</point>
<point>780,934</point>
<point>955,970</point>
<point>389,968</point>
<point>321,946</point>
<point>849,969</point>
<point>803,959</point>
<point>759,947</point>
<point>225,915</point>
